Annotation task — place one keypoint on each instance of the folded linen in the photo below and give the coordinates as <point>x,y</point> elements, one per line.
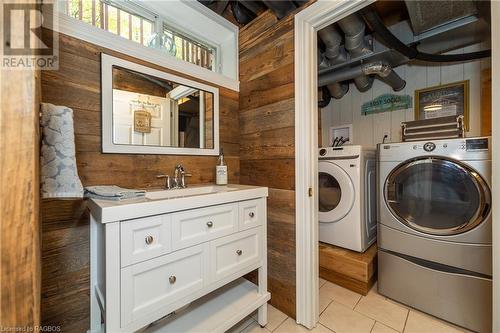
<point>112,192</point>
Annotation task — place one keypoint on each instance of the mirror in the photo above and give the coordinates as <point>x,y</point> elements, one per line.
<point>149,111</point>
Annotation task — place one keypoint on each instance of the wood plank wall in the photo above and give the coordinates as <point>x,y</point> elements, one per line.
<point>65,225</point>
<point>19,203</point>
<point>267,141</point>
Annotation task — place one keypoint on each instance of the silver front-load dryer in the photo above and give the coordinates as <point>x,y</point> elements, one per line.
<point>434,231</point>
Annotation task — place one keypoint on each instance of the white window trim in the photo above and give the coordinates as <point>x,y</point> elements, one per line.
<point>228,52</point>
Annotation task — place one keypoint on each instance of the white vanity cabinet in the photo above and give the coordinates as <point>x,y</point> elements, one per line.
<point>193,250</point>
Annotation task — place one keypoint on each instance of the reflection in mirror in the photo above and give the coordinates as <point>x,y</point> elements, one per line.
<point>151,111</point>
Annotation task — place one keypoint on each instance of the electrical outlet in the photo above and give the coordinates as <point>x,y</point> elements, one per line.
<point>387,136</point>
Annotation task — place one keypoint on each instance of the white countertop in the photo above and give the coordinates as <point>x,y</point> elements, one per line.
<point>105,211</point>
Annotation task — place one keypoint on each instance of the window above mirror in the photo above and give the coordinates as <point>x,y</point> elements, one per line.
<point>136,23</point>
<point>147,111</point>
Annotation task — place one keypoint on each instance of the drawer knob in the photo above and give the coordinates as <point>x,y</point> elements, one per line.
<point>239,252</point>
<point>149,239</point>
<point>210,224</point>
<point>172,279</point>
<point>251,214</point>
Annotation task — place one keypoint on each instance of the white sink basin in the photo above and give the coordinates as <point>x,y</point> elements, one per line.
<point>189,191</point>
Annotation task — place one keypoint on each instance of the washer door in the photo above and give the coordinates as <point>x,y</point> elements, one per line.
<point>336,192</point>
<point>437,196</point>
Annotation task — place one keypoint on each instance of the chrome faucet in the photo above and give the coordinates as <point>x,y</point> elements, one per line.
<point>180,175</point>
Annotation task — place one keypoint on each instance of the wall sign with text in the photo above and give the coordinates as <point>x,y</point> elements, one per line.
<point>386,103</point>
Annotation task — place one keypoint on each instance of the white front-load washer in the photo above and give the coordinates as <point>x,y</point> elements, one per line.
<point>347,189</point>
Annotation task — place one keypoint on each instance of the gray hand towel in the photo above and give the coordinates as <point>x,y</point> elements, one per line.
<point>112,192</point>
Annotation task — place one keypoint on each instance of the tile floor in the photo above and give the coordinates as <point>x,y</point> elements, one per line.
<point>344,311</point>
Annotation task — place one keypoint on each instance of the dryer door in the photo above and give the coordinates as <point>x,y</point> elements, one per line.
<point>336,192</point>
<point>437,196</point>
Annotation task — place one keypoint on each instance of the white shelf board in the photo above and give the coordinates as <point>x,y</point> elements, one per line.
<point>217,311</point>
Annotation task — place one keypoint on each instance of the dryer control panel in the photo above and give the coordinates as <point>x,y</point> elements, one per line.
<point>463,148</point>
<point>480,144</point>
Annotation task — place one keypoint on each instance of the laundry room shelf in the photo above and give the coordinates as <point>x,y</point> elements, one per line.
<point>217,311</point>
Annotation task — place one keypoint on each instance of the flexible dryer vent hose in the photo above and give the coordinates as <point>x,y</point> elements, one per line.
<point>377,25</point>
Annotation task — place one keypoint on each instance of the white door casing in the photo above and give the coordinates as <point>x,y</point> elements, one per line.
<point>307,23</point>
<point>495,86</point>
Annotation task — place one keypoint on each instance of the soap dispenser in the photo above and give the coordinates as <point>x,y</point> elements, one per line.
<point>221,170</point>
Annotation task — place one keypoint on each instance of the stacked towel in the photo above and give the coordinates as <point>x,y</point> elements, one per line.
<point>112,192</point>
<point>58,173</point>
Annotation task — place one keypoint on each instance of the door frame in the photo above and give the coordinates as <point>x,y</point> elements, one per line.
<point>307,23</point>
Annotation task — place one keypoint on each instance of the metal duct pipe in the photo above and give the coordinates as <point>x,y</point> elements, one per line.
<point>382,70</point>
<point>322,61</point>
<point>325,97</point>
<point>332,39</point>
<point>333,55</point>
<point>338,90</point>
<point>339,75</point>
<point>242,14</point>
<point>354,28</point>
<point>254,6</point>
<point>386,74</point>
<point>280,8</point>
<point>363,82</point>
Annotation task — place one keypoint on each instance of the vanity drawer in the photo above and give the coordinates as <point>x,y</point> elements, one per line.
<point>151,285</point>
<point>200,225</point>
<point>251,213</point>
<point>230,254</point>
<point>145,238</point>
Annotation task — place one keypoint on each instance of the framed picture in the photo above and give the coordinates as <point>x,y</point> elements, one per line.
<point>442,101</point>
<point>142,121</point>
